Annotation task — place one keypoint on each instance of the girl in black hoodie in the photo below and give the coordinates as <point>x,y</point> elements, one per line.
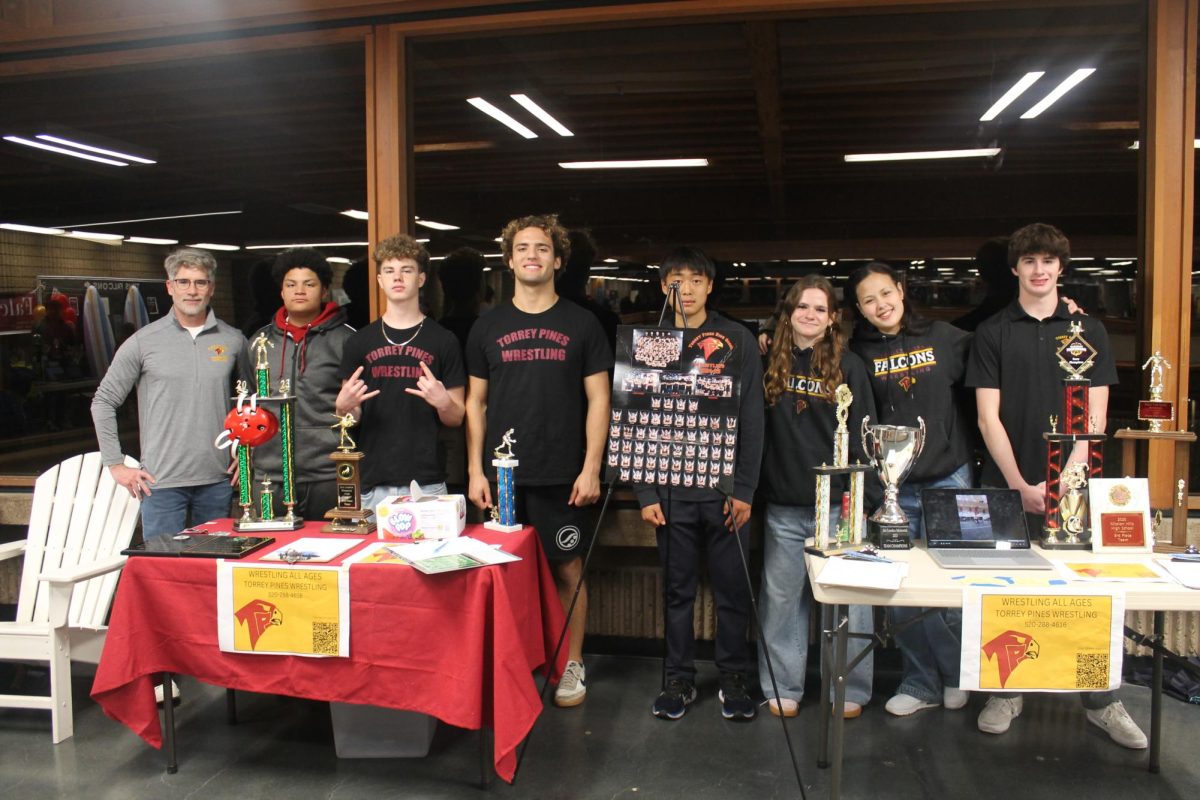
<point>915,367</point>
<point>807,361</point>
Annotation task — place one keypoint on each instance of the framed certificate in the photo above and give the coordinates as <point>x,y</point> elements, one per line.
<point>1120,514</point>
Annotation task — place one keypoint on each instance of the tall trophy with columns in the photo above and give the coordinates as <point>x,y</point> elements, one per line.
<point>504,514</point>
<point>850,533</point>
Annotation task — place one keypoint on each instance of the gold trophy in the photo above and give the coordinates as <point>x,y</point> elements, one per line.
<point>850,533</point>
<point>1156,411</point>
<point>348,516</point>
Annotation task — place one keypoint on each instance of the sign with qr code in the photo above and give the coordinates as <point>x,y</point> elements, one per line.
<point>1041,641</point>
<point>299,611</point>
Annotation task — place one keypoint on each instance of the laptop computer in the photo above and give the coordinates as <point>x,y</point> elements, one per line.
<point>978,529</point>
<point>199,546</point>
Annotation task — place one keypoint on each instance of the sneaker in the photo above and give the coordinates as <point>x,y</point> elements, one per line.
<point>672,703</point>
<point>1121,728</point>
<point>571,689</point>
<point>851,710</point>
<point>901,705</point>
<point>785,707</point>
<point>158,693</point>
<point>735,702</point>
<point>953,698</point>
<point>999,713</point>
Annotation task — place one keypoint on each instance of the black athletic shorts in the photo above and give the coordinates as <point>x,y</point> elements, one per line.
<point>565,530</point>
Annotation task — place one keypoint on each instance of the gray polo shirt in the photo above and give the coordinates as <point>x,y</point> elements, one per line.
<point>184,387</point>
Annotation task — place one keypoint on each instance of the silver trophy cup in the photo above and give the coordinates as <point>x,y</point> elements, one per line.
<point>892,450</point>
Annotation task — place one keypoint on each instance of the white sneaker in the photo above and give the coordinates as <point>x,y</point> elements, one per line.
<point>954,698</point>
<point>1121,728</point>
<point>158,693</point>
<point>901,705</point>
<point>571,689</point>
<point>999,713</point>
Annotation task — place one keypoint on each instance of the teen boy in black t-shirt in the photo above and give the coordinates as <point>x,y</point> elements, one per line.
<point>403,376</point>
<point>539,365</point>
<point>1018,385</point>
<point>691,520</point>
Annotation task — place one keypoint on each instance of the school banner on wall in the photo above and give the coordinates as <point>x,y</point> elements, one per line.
<point>299,611</point>
<point>1041,641</point>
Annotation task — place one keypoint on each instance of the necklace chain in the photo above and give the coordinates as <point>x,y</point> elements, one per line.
<point>383,330</point>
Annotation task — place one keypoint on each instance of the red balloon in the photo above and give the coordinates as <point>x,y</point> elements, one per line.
<point>70,315</point>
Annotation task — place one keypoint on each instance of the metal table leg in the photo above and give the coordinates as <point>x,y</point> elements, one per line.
<point>1157,689</point>
<point>826,668</point>
<point>842,615</point>
<point>169,724</point>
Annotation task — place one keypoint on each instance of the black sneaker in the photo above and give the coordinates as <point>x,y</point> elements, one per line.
<point>674,700</point>
<point>735,702</point>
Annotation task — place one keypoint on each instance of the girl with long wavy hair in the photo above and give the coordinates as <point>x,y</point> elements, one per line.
<point>807,361</point>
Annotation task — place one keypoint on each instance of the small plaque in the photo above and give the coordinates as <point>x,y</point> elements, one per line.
<point>347,496</point>
<point>890,537</point>
<point>1156,411</point>
<point>1120,515</point>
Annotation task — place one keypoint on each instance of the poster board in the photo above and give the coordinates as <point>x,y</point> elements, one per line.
<point>675,400</point>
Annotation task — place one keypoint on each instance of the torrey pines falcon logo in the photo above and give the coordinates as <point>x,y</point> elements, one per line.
<point>1010,649</point>
<point>258,615</point>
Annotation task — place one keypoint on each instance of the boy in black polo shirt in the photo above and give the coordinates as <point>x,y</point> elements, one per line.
<point>539,365</point>
<point>690,520</point>
<point>1018,385</point>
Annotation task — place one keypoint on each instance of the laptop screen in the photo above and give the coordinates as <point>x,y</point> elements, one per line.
<point>974,518</point>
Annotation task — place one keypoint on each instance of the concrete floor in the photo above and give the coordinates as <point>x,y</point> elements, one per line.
<point>610,747</point>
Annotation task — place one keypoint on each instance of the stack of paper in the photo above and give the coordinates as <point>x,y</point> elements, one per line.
<point>863,574</point>
<point>1186,572</point>
<point>446,555</point>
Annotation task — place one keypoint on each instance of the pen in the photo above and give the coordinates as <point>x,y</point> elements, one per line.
<point>438,549</point>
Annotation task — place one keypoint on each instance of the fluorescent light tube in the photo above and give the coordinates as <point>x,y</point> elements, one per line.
<point>92,149</point>
<point>923,155</point>
<point>354,213</point>
<point>501,117</point>
<point>64,151</point>
<point>150,240</point>
<point>1012,94</point>
<point>437,226</point>
<point>14,226</point>
<point>1058,91</point>
<point>648,163</point>
<point>100,237</point>
<point>542,114</point>
<point>289,245</point>
<point>211,246</point>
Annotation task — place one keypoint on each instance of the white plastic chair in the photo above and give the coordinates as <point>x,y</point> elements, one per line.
<point>80,521</point>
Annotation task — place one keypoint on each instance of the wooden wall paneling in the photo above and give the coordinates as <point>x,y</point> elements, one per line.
<point>1169,125</point>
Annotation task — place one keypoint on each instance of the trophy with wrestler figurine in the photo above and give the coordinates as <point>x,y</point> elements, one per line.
<point>1156,411</point>
<point>504,514</point>
<point>251,424</point>
<point>1075,356</point>
<point>348,516</point>
<point>850,532</point>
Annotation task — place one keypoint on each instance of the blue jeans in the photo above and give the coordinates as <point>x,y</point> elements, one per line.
<point>785,601</point>
<point>377,494</point>
<point>930,647</point>
<point>165,511</point>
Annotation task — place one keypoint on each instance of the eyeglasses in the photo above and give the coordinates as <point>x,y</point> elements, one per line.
<point>187,283</point>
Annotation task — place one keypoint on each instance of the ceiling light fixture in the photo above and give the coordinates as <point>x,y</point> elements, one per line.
<point>923,155</point>
<point>16,226</point>
<point>99,237</point>
<point>1070,83</point>
<point>1137,145</point>
<point>288,246</point>
<point>150,240</point>
<point>354,213</point>
<point>338,260</point>
<point>437,226</point>
<point>93,149</point>
<point>542,114</point>
<point>647,163</point>
<point>152,219</point>
<point>211,246</point>
<point>64,151</point>
<point>1012,94</point>
<point>501,117</point>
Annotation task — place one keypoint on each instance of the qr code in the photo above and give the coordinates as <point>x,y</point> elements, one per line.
<point>325,638</point>
<point>1091,670</point>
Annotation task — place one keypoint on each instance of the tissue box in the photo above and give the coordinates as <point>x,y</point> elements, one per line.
<point>431,517</point>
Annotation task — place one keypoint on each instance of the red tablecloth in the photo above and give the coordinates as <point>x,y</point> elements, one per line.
<point>460,646</point>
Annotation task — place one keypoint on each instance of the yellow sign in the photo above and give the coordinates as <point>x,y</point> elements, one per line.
<point>1041,640</point>
<point>302,611</point>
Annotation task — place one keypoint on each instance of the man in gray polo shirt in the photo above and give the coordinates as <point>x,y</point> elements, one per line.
<point>184,367</point>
